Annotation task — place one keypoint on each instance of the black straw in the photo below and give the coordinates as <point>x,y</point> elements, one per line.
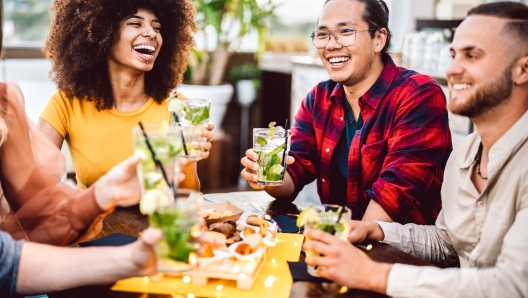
<point>156,161</point>
<point>285,142</point>
<point>339,215</point>
<point>181,131</point>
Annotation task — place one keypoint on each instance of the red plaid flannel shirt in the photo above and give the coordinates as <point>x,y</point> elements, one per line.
<point>397,158</point>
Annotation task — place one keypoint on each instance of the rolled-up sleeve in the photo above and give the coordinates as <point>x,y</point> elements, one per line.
<point>507,278</point>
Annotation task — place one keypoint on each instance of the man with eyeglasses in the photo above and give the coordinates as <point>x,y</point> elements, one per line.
<point>485,192</point>
<point>375,136</point>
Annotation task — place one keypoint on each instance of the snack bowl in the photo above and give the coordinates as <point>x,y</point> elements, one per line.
<point>234,213</point>
<point>257,254</point>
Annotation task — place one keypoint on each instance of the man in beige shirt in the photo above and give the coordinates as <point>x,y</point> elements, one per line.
<point>484,220</point>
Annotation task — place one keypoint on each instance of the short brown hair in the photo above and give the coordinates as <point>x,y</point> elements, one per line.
<point>515,12</point>
<point>82,33</point>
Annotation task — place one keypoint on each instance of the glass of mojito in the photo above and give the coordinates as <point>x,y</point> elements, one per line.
<point>325,218</point>
<point>180,225</point>
<point>190,115</point>
<point>167,145</point>
<point>272,145</point>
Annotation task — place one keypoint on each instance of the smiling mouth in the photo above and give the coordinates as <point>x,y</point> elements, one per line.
<point>145,50</point>
<point>461,86</point>
<point>338,61</point>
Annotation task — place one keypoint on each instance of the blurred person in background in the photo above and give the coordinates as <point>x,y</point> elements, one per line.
<point>485,192</point>
<point>375,136</point>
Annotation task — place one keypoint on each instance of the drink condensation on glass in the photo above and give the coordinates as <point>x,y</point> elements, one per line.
<point>324,218</point>
<point>167,146</point>
<point>180,225</point>
<point>192,115</point>
<point>272,151</point>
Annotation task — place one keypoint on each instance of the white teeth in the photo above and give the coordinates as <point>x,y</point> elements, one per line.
<point>459,87</point>
<point>148,48</point>
<point>338,59</point>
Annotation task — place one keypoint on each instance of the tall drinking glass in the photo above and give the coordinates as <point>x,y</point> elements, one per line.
<point>180,224</point>
<point>272,150</point>
<point>191,114</point>
<point>166,143</point>
<point>325,218</point>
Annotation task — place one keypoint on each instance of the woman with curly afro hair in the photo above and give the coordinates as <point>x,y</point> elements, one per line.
<point>115,63</point>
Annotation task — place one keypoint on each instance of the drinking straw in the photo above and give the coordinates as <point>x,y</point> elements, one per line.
<point>286,143</point>
<point>340,212</point>
<point>181,131</point>
<point>157,162</point>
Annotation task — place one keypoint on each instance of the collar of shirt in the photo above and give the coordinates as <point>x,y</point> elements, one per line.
<point>499,153</point>
<point>373,96</point>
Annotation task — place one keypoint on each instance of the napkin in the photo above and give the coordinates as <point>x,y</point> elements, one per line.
<point>299,272</point>
<point>287,224</point>
<point>117,239</point>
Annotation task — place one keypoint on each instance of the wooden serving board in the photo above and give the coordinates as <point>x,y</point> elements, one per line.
<point>243,272</point>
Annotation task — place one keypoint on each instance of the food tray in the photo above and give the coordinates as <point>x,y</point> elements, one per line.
<point>243,272</point>
<point>237,212</point>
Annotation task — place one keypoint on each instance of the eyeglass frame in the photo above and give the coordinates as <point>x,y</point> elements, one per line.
<point>332,32</point>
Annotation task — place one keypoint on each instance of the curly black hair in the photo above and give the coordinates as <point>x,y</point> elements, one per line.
<point>83,32</point>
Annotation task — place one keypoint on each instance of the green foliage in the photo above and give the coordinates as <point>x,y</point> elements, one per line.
<point>245,72</point>
<point>31,25</point>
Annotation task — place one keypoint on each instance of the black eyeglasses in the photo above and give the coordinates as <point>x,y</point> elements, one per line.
<point>346,37</point>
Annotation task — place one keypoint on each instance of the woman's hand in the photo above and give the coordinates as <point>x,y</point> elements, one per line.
<point>120,186</point>
<point>208,134</point>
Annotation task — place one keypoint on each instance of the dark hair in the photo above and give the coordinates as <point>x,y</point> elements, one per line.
<point>515,12</point>
<point>82,33</point>
<point>376,15</point>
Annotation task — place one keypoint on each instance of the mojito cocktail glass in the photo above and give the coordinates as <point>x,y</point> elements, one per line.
<point>272,149</point>
<point>191,115</point>
<point>167,145</point>
<point>325,218</point>
<point>180,225</point>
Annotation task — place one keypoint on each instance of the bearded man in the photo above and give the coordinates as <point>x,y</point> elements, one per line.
<point>485,191</point>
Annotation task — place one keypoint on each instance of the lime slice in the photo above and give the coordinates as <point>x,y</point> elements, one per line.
<point>307,215</point>
<point>175,105</point>
<point>276,169</point>
<point>142,154</point>
<point>153,178</point>
<point>163,248</point>
<point>152,200</point>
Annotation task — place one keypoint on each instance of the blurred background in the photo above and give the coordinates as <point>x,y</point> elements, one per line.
<point>269,47</point>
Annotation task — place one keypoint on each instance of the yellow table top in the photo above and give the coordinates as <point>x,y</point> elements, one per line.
<point>274,280</point>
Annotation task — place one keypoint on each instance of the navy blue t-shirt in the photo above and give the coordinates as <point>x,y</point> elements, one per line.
<point>339,161</point>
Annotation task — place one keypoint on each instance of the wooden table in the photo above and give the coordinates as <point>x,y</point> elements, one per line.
<point>130,221</point>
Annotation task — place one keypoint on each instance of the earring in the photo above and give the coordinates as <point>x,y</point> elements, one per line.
<point>147,62</point>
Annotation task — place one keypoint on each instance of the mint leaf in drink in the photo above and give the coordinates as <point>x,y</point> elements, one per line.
<point>277,150</point>
<point>262,141</point>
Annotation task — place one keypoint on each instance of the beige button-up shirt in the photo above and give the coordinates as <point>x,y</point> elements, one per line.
<point>488,232</point>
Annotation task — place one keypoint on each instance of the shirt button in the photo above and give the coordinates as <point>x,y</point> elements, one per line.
<point>324,180</point>
<point>341,118</point>
<point>327,150</point>
<point>480,203</point>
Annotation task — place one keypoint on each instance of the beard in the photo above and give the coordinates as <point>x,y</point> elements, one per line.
<point>492,93</point>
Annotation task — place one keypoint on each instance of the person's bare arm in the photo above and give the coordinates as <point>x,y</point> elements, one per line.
<point>53,135</point>
<point>375,212</point>
<point>45,268</point>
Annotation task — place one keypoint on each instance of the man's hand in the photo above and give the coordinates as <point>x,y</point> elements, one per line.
<point>142,253</point>
<point>208,134</point>
<point>361,230</point>
<point>250,168</point>
<point>344,264</point>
